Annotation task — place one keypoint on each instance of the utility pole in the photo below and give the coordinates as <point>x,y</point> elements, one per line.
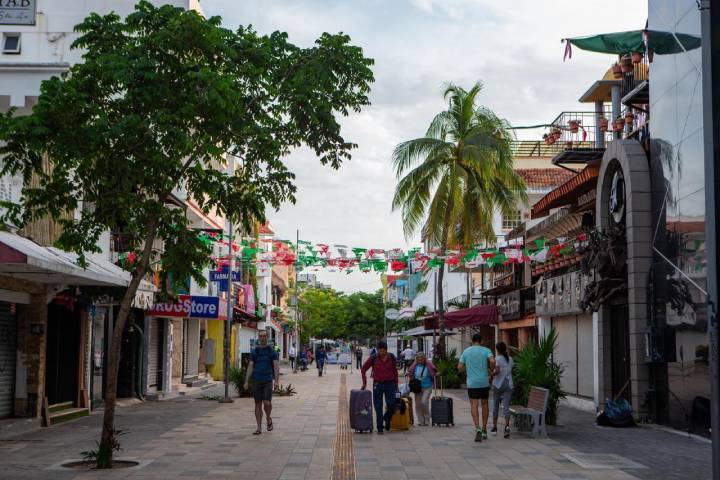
<point>711,121</point>
<point>297,304</point>
<point>228,320</point>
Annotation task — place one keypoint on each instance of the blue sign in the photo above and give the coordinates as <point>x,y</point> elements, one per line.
<point>221,277</point>
<point>187,306</point>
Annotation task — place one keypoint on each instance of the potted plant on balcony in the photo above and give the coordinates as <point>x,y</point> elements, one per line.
<point>574,126</point>
<point>546,138</point>
<point>626,64</point>
<point>557,133</point>
<point>629,117</point>
<point>603,123</point>
<point>636,57</point>
<point>617,71</point>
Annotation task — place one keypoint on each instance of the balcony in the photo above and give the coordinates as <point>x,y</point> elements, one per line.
<point>517,304</point>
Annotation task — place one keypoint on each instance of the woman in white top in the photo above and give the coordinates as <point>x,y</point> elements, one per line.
<point>502,387</point>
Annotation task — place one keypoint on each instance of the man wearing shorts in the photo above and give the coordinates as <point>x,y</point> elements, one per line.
<point>263,368</point>
<point>478,361</point>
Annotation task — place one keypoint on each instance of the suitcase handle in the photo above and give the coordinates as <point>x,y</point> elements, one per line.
<point>442,392</point>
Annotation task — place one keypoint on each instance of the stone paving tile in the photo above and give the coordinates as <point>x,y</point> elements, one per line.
<point>190,438</point>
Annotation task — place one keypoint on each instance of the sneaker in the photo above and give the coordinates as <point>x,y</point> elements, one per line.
<point>507,432</point>
<point>478,435</point>
<point>494,431</point>
<point>380,432</point>
<point>484,434</point>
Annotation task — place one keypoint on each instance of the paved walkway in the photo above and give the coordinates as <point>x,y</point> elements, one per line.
<point>191,438</point>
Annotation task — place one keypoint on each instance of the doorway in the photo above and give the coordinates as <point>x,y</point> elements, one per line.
<point>62,354</point>
<point>620,349</point>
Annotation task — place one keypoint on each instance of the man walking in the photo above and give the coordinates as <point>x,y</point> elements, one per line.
<point>263,368</point>
<point>358,357</point>
<point>478,361</point>
<point>408,356</point>
<point>385,384</point>
<point>292,355</point>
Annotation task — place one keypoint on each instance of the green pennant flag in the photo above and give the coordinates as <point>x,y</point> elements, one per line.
<point>359,252</point>
<point>539,243</point>
<point>379,265</point>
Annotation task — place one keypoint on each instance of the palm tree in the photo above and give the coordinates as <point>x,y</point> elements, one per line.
<point>452,180</point>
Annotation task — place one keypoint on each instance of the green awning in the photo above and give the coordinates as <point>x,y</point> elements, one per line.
<point>620,43</point>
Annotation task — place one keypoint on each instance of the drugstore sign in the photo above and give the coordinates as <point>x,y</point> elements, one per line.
<point>187,306</point>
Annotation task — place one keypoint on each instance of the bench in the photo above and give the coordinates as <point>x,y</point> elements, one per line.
<point>531,418</point>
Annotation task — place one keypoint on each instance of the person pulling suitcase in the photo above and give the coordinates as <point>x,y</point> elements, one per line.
<point>385,384</point>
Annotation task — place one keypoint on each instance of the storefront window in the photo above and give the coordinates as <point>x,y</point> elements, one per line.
<point>680,263</point>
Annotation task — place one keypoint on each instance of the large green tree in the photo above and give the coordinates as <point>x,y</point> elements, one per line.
<point>365,315</point>
<point>330,314</point>
<point>452,180</point>
<point>157,103</point>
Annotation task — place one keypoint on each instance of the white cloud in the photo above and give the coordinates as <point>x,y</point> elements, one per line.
<point>513,46</point>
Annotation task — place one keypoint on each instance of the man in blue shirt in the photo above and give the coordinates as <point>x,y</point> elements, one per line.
<point>263,368</point>
<point>478,362</point>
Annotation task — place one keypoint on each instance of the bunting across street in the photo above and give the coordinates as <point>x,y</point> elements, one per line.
<point>303,254</point>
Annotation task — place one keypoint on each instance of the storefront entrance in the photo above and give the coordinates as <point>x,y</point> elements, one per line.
<point>61,366</point>
<point>8,354</point>
<point>620,349</point>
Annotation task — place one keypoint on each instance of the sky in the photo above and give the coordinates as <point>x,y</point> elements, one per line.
<point>512,46</point>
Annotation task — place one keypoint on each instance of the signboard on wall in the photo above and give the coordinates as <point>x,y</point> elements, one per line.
<point>17,12</point>
<point>187,306</point>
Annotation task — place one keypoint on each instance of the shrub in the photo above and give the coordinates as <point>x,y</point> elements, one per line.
<point>534,367</point>
<point>447,370</point>
<point>236,376</point>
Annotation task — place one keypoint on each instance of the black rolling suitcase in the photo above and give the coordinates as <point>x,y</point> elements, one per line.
<point>441,409</point>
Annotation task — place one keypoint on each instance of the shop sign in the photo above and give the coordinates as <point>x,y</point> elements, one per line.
<point>187,306</point>
<point>221,277</point>
<point>587,198</point>
<point>17,12</point>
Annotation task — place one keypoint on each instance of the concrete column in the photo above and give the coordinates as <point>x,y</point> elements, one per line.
<point>523,336</point>
<point>177,351</point>
<point>615,96</point>
<point>599,136</point>
<point>31,351</point>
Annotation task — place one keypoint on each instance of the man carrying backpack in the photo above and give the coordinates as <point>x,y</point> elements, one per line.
<point>385,384</point>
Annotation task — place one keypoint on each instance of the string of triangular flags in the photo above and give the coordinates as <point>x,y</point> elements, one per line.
<point>304,254</point>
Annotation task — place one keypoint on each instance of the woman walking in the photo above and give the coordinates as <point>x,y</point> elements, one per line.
<point>502,387</point>
<point>422,380</point>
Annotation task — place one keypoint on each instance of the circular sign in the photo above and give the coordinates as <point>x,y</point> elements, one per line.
<point>392,314</point>
<point>616,205</point>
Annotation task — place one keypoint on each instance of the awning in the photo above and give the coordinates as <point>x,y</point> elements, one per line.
<point>620,43</point>
<point>241,315</point>
<point>467,317</point>
<point>421,332</point>
<point>566,193</point>
<point>22,258</point>
<point>527,321</point>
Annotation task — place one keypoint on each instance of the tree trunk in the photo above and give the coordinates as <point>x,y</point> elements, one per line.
<point>441,311</point>
<point>107,439</point>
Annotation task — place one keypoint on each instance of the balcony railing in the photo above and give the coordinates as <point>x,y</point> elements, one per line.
<point>573,130</point>
<point>632,79</point>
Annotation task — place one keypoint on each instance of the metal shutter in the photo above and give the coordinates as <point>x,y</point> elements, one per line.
<point>192,344</point>
<point>153,351</point>
<point>8,355</point>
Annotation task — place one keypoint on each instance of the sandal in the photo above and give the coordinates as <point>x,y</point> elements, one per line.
<point>270,425</point>
<point>257,432</point>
